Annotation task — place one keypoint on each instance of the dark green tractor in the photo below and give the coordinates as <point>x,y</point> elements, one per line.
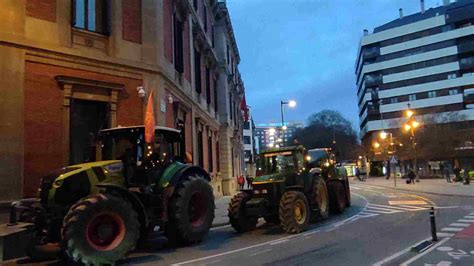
<point>292,188</point>
<point>97,212</point>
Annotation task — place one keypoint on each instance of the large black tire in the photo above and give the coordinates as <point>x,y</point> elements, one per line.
<point>190,212</point>
<point>294,212</point>
<point>100,229</point>
<point>348,194</point>
<point>337,196</point>
<point>238,218</point>
<point>320,198</point>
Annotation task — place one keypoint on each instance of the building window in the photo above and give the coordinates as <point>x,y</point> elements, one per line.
<point>208,85</point>
<point>209,154</point>
<point>412,97</point>
<point>215,94</point>
<point>91,15</point>
<point>205,18</point>
<point>231,107</point>
<point>197,72</point>
<point>200,149</point>
<point>394,100</point>
<point>195,4</point>
<point>246,125</point>
<point>453,92</point>
<point>431,94</point>
<point>228,54</point>
<point>452,76</point>
<point>247,140</point>
<point>178,45</point>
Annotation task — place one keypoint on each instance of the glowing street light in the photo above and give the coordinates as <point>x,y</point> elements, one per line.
<point>409,113</point>
<point>291,104</point>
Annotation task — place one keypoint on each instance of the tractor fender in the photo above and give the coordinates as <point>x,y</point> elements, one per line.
<point>132,198</point>
<point>330,183</point>
<point>188,170</point>
<point>297,188</point>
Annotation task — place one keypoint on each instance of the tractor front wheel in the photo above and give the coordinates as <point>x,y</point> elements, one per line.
<point>294,212</point>
<point>238,218</point>
<point>320,199</point>
<point>337,194</point>
<point>100,229</point>
<point>190,212</point>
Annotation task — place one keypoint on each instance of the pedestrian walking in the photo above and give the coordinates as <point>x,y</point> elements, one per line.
<point>411,176</point>
<point>457,173</point>
<point>446,172</point>
<point>241,181</point>
<point>357,173</point>
<point>249,181</point>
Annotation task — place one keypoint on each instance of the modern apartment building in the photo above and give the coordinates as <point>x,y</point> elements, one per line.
<point>274,135</point>
<point>425,60</point>
<point>70,68</point>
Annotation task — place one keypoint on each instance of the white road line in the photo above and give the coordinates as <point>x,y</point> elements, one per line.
<point>401,207</point>
<point>460,224</point>
<point>443,234</point>
<point>279,242</point>
<point>466,220</point>
<point>356,188</point>
<point>260,252</point>
<point>219,227</point>
<point>396,255</point>
<point>366,215</point>
<point>469,216</point>
<point>384,209</point>
<point>452,229</point>
<point>425,252</point>
<point>376,211</point>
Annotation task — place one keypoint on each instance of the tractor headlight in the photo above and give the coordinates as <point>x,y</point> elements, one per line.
<point>256,192</point>
<point>58,183</point>
<point>264,191</point>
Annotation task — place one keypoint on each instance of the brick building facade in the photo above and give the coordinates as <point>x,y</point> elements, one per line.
<point>70,68</point>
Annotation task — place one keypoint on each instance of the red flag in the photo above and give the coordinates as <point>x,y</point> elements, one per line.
<point>149,121</point>
<point>245,109</point>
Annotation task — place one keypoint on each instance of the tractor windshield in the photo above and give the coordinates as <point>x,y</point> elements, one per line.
<point>123,144</point>
<point>317,157</point>
<point>278,162</point>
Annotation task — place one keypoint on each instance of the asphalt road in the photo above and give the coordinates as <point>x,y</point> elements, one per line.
<point>380,227</point>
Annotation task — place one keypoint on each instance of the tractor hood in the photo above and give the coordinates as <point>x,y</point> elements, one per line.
<point>269,178</point>
<point>112,166</point>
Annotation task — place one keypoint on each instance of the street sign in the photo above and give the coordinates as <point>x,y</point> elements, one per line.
<point>393,159</point>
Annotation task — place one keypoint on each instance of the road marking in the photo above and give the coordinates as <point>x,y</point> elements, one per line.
<point>425,252</point>
<point>398,254</point>
<point>469,217</point>
<point>219,227</point>
<point>443,234</point>
<point>279,242</point>
<point>452,229</point>
<point>366,215</point>
<point>466,220</point>
<point>260,252</point>
<point>387,210</point>
<point>407,202</point>
<point>460,224</point>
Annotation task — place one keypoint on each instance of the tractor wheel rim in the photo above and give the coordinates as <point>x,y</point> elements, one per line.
<point>197,209</point>
<point>300,211</point>
<point>105,231</point>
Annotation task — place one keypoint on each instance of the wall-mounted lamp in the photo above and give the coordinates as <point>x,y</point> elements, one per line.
<point>141,92</point>
<point>170,98</point>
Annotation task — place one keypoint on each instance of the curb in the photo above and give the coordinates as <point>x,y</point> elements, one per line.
<point>426,192</point>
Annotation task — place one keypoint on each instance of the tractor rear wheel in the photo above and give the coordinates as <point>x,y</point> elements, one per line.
<point>337,195</point>
<point>294,212</point>
<point>238,218</point>
<point>100,229</point>
<point>320,199</point>
<point>190,212</point>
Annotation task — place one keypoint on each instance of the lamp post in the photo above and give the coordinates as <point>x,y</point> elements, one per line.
<point>291,104</point>
<point>410,126</point>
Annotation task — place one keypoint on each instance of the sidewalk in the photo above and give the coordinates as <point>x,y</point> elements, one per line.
<point>430,186</point>
<point>221,211</point>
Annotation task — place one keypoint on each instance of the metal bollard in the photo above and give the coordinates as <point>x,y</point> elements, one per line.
<point>433,225</point>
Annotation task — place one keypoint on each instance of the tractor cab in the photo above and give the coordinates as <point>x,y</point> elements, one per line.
<point>138,158</point>
<point>321,161</point>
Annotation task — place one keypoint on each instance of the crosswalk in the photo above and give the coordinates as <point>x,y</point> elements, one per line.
<point>458,226</point>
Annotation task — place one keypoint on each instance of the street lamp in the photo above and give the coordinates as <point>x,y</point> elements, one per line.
<point>291,104</point>
<point>410,126</point>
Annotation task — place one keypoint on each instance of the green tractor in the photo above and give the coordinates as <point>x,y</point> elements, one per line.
<point>97,212</point>
<point>292,188</point>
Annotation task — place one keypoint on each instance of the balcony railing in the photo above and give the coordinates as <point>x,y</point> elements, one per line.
<point>466,63</point>
<point>371,80</point>
<point>466,47</point>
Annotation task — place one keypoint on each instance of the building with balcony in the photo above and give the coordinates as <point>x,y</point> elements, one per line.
<point>71,68</point>
<point>425,60</point>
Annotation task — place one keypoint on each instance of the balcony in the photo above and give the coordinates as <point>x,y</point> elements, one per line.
<point>373,80</point>
<point>466,47</point>
<point>371,53</point>
<point>466,63</point>
<point>468,97</point>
